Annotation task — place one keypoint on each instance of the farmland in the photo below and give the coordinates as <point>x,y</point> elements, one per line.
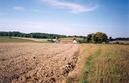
<point>106,64</point>
<point>20,39</point>
<point>36,62</point>
<point>64,41</point>
<point>63,63</point>
<point>10,39</point>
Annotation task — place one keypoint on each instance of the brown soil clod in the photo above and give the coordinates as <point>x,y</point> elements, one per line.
<point>29,62</point>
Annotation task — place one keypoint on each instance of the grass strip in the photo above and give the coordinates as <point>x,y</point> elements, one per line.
<point>88,66</point>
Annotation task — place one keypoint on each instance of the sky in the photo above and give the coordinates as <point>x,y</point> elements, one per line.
<point>68,17</point>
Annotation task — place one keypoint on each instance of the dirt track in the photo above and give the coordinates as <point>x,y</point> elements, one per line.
<point>36,62</point>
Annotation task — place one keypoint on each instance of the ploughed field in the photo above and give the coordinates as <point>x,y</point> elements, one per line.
<point>36,62</point>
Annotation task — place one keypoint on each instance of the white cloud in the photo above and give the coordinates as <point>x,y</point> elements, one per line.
<point>18,8</point>
<point>73,7</point>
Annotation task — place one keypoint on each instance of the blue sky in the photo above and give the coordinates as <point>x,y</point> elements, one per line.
<point>70,17</point>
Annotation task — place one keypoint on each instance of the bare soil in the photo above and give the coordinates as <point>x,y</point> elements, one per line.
<point>36,62</point>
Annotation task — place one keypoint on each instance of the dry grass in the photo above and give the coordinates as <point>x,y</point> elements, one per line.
<point>86,50</point>
<point>108,64</point>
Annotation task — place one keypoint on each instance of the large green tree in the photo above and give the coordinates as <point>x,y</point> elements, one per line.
<point>98,37</point>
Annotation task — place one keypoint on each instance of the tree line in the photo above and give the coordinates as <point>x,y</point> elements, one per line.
<point>119,39</point>
<point>31,35</point>
<point>98,37</point>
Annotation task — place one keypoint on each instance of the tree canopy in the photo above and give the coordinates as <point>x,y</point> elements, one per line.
<point>97,37</point>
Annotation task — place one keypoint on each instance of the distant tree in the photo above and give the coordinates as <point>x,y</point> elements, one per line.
<point>110,39</point>
<point>100,37</point>
<point>89,38</point>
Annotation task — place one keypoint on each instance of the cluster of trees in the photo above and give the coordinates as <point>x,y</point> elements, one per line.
<point>31,35</point>
<point>98,37</point>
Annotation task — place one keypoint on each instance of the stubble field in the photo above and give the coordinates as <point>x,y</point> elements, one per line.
<point>106,64</point>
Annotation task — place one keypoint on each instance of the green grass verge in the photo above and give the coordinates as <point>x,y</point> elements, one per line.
<point>88,66</point>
